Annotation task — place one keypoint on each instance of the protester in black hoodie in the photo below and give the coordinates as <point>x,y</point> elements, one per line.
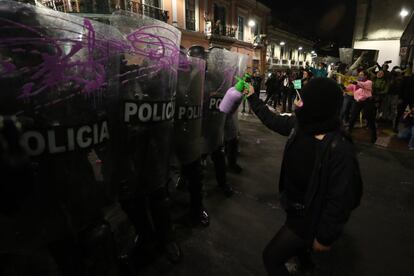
<point>272,86</point>
<point>406,97</point>
<point>320,182</point>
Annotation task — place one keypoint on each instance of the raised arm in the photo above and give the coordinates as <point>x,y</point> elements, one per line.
<point>357,62</point>
<point>280,124</point>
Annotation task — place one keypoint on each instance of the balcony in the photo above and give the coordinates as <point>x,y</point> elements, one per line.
<point>222,34</point>
<point>149,11</point>
<point>57,5</point>
<point>227,31</point>
<point>259,41</point>
<point>190,20</point>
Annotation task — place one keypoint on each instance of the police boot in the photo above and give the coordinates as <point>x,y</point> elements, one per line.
<point>137,210</point>
<point>98,247</point>
<point>193,173</point>
<point>200,216</point>
<point>220,168</point>
<point>173,252</point>
<point>232,153</point>
<point>163,227</point>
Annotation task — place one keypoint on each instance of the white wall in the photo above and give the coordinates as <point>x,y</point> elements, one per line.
<point>388,50</point>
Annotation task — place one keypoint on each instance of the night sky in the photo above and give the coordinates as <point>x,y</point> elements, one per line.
<point>327,22</point>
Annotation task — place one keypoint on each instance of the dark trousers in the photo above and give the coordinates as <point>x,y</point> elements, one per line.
<point>346,108</point>
<point>90,253</point>
<point>193,174</point>
<point>257,90</point>
<point>273,97</point>
<point>67,255</point>
<point>369,111</point>
<point>287,99</point>
<point>232,151</point>
<point>269,97</point>
<point>150,216</point>
<point>281,248</point>
<point>219,159</point>
<point>400,110</point>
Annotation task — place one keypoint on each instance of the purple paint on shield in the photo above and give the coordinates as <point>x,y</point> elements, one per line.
<point>159,49</point>
<point>8,67</point>
<point>86,73</point>
<point>57,67</point>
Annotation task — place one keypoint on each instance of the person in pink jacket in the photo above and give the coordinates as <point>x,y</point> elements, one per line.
<point>364,102</point>
<point>362,90</point>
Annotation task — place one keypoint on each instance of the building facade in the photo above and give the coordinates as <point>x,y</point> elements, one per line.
<point>379,25</point>
<point>287,50</point>
<point>92,6</point>
<point>236,25</point>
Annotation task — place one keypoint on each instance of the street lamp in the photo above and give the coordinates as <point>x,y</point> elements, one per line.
<point>313,52</point>
<point>251,23</point>
<point>282,43</point>
<point>403,13</point>
<point>300,48</point>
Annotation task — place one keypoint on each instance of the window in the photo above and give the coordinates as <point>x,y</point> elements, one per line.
<point>277,51</point>
<point>153,3</point>
<point>240,28</point>
<point>190,15</point>
<point>102,7</point>
<point>219,20</point>
<point>150,8</point>
<point>256,29</point>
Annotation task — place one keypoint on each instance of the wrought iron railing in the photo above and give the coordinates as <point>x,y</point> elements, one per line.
<point>56,5</point>
<point>190,20</point>
<point>222,30</point>
<point>149,11</point>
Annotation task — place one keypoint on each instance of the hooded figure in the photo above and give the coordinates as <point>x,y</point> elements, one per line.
<point>311,117</point>
<point>320,182</point>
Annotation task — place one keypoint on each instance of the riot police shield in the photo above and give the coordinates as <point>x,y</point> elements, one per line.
<point>222,67</point>
<point>147,84</point>
<point>59,72</point>
<point>231,127</point>
<point>242,64</point>
<point>188,115</point>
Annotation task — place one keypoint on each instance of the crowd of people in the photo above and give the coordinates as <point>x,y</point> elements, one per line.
<point>383,96</point>
<point>280,88</point>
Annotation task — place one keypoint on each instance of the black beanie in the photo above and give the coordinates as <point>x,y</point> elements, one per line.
<point>322,102</point>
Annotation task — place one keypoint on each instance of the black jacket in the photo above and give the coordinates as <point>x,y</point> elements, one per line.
<point>335,188</point>
<point>272,84</point>
<point>407,89</point>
